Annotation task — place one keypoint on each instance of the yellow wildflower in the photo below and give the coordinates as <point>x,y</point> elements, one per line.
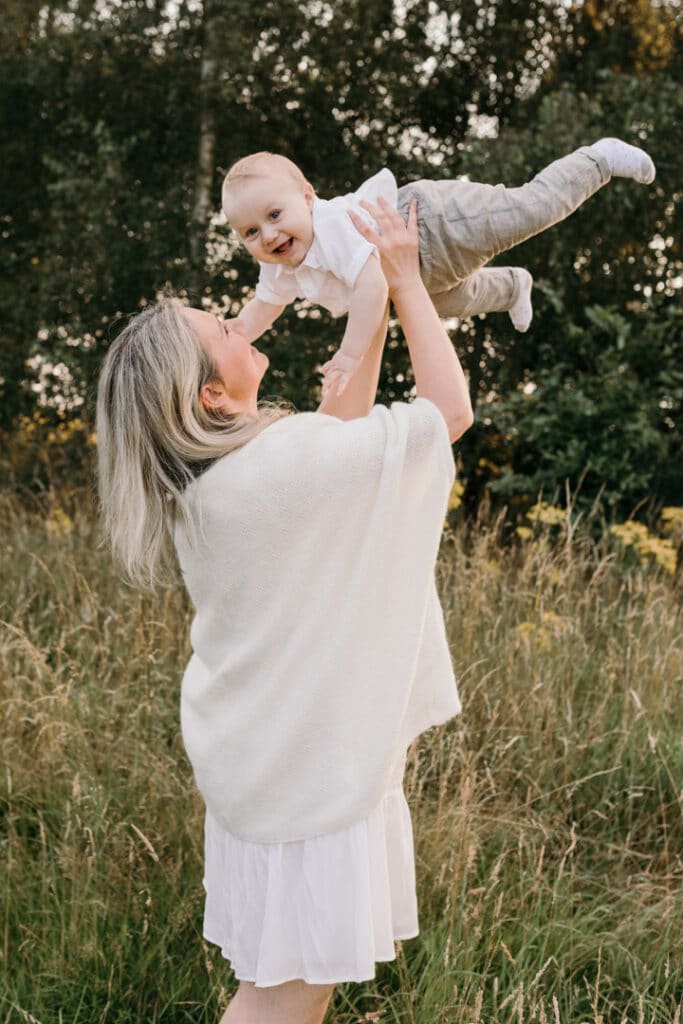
<point>629,533</point>
<point>525,629</point>
<point>646,545</point>
<point>549,515</point>
<point>672,517</point>
<point>59,524</point>
<point>455,497</point>
<point>493,567</point>
<point>554,621</point>
<point>663,552</point>
<point>531,632</point>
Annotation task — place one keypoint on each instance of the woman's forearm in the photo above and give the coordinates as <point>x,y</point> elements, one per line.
<point>438,373</point>
<point>437,369</point>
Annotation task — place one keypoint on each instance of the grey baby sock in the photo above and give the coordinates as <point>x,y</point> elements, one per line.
<point>626,161</point>
<point>522,312</point>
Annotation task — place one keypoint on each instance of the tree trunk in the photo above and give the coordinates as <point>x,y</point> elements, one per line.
<point>229,33</point>
<point>214,32</point>
<point>206,158</point>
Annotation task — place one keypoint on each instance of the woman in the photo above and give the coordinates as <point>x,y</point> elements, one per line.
<point>308,544</point>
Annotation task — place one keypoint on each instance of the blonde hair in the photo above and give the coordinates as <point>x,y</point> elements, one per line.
<point>154,435</point>
<point>260,165</point>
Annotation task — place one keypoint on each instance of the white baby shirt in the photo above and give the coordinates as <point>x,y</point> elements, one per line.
<point>319,646</point>
<point>337,255</point>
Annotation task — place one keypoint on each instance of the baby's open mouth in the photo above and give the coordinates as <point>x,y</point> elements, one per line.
<point>284,248</point>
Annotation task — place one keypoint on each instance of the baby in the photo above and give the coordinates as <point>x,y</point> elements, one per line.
<point>308,247</point>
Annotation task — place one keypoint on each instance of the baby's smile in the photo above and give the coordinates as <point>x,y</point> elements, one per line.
<point>283,249</point>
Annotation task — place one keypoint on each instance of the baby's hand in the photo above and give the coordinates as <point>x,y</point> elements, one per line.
<point>337,372</point>
<point>234,323</point>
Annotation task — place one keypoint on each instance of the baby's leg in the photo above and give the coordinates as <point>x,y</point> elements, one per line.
<point>464,224</point>
<point>490,290</point>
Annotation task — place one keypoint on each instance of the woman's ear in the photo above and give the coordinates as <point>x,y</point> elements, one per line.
<point>212,395</point>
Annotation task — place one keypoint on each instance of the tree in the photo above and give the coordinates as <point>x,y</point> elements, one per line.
<point>123,116</point>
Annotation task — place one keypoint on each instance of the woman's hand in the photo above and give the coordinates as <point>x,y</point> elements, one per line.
<point>396,242</point>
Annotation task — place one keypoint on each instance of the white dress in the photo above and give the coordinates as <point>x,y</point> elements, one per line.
<point>323,909</point>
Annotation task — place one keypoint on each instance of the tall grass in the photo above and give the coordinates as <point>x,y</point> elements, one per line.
<point>547,817</point>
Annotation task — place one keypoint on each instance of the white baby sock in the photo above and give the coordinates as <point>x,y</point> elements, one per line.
<point>626,161</point>
<point>522,312</point>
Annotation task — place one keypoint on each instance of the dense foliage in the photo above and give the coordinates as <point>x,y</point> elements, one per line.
<point>103,103</point>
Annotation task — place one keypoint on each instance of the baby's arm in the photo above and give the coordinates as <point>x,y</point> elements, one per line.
<point>366,313</point>
<point>257,316</point>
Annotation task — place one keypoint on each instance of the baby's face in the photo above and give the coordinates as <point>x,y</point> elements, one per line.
<point>273,218</point>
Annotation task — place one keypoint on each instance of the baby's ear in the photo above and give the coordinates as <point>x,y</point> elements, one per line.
<point>309,193</point>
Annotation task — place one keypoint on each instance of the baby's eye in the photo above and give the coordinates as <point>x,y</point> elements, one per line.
<point>274,214</point>
<point>250,232</point>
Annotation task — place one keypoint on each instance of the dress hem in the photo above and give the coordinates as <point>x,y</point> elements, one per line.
<point>309,981</point>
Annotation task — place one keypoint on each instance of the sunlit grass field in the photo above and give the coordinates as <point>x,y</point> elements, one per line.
<point>547,817</point>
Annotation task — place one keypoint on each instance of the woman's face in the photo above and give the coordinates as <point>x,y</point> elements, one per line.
<point>240,366</point>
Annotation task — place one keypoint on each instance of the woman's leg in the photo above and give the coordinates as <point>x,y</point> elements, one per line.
<point>294,1002</point>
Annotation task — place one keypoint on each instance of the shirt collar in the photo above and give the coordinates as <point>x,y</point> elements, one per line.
<point>313,257</point>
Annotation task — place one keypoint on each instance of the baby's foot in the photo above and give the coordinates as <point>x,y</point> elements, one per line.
<point>522,312</point>
<point>626,161</point>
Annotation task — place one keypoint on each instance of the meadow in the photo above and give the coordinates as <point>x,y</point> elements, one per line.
<point>547,817</point>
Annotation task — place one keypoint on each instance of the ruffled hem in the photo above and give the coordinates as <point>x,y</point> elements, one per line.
<point>322,910</point>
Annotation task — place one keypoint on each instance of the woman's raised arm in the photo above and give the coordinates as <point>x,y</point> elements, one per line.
<point>438,373</point>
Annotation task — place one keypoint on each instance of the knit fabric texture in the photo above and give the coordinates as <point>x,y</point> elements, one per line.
<point>319,646</point>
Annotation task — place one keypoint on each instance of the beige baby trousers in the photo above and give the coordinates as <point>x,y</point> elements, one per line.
<point>464,224</point>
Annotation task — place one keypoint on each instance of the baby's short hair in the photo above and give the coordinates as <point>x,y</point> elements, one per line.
<point>260,165</point>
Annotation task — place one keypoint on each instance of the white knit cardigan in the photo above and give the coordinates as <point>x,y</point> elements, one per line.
<point>319,647</point>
